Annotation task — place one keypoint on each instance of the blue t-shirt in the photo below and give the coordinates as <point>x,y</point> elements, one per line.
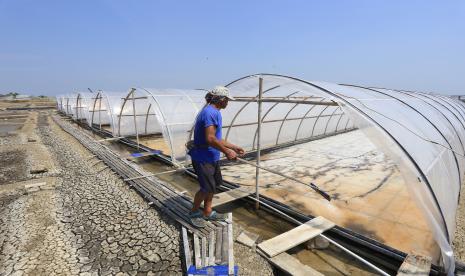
<point>209,116</point>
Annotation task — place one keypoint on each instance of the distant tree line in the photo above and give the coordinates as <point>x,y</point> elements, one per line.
<point>14,95</point>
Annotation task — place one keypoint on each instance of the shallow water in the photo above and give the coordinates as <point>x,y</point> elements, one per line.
<point>369,194</point>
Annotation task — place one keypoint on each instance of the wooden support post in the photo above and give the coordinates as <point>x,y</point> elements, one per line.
<point>134,112</point>
<point>204,252</point>
<point>211,249</point>
<point>230,246</point>
<point>224,246</point>
<point>219,245</point>
<point>198,261</point>
<point>99,115</point>
<point>259,127</point>
<point>187,251</point>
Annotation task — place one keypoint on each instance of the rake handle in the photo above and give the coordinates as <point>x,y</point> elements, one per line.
<point>311,185</point>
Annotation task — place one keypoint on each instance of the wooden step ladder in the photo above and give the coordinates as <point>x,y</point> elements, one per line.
<point>210,254</point>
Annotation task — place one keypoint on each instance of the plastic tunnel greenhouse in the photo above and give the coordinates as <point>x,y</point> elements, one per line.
<point>102,105</point>
<point>146,113</point>
<point>422,132</point>
<point>411,144</point>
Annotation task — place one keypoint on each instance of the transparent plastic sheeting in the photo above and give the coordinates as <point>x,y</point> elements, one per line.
<point>424,133</point>
<point>282,123</point>
<point>102,108</point>
<point>67,102</point>
<point>167,111</point>
<point>81,108</point>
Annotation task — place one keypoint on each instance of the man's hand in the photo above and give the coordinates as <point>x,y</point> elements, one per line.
<point>231,154</point>
<point>240,151</point>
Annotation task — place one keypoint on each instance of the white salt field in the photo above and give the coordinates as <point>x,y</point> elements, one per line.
<point>369,194</point>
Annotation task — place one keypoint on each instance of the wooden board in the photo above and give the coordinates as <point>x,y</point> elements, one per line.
<point>296,236</point>
<point>415,264</point>
<point>247,238</point>
<point>204,252</point>
<point>187,251</point>
<point>211,249</point>
<point>197,258</point>
<point>231,195</point>
<point>230,246</point>
<point>219,245</point>
<point>293,266</point>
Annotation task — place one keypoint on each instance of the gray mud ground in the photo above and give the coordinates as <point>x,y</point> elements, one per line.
<point>82,221</point>
<point>459,240</point>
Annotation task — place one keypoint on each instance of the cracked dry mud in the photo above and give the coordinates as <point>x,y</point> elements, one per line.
<point>89,224</point>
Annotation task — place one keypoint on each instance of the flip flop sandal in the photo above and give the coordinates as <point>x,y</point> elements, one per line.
<point>215,216</point>
<point>196,214</point>
<point>198,222</point>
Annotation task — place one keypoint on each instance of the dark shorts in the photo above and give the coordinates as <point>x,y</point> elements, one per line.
<point>209,175</point>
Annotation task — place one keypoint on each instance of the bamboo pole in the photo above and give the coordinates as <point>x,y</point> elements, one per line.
<point>134,112</point>
<point>259,128</point>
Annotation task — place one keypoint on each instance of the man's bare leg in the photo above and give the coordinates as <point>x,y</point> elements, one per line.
<point>198,198</point>
<point>207,204</point>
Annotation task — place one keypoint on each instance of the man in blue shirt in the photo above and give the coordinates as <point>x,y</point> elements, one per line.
<point>205,153</point>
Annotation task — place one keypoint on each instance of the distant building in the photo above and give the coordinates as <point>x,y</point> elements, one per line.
<point>23,97</point>
<point>6,97</point>
<point>14,96</point>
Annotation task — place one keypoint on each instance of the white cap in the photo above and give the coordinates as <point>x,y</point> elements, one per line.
<point>221,91</point>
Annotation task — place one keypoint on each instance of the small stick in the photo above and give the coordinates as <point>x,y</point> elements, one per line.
<point>311,185</point>
<point>150,175</point>
<point>110,139</point>
<point>102,169</point>
<point>95,163</point>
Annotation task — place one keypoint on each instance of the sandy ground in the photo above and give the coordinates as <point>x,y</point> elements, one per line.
<point>79,220</point>
<point>459,240</point>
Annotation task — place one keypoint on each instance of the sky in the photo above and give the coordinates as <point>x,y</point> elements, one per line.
<point>59,47</point>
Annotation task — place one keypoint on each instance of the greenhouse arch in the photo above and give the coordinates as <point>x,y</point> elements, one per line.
<point>423,133</point>
<point>166,112</point>
<point>416,133</point>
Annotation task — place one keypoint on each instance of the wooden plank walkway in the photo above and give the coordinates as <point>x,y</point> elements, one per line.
<point>296,236</point>
<point>230,196</point>
<point>293,266</point>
